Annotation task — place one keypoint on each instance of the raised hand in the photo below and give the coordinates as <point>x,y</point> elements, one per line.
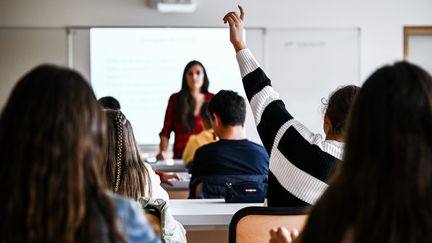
<point>235,23</point>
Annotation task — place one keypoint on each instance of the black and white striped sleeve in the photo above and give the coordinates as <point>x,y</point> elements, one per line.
<point>300,160</point>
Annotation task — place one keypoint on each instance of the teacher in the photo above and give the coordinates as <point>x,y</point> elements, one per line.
<point>182,114</point>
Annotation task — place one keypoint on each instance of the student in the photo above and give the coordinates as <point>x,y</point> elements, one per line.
<point>382,191</point>
<point>53,137</point>
<point>124,170</point>
<point>127,175</point>
<point>233,155</point>
<point>182,114</point>
<point>109,102</point>
<point>300,162</point>
<point>205,137</point>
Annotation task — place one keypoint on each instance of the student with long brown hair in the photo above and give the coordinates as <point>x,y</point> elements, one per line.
<point>124,170</point>
<point>52,142</point>
<point>128,175</point>
<point>382,192</point>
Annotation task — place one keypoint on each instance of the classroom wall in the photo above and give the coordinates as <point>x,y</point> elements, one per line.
<point>381,21</point>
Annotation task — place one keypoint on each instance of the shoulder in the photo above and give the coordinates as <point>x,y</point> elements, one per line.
<point>156,188</point>
<point>253,144</point>
<point>257,147</point>
<point>174,97</point>
<point>208,96</point>
<point>131,220</point>
<point>173,100</point>
<point>123,207</point>
<point>212,146</point>
<point>193,137</point>
<point>208,149</point>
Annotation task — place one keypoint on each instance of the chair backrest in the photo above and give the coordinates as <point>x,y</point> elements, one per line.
<point>253,224</point>
<point>213,186</point>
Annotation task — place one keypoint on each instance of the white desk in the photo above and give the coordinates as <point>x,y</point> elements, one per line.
<point>179,189</point>
<point>205,214</point>
<point>179,185</point>
<point>169,165</point>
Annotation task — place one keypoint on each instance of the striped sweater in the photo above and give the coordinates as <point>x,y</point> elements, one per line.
<point>301,162</point>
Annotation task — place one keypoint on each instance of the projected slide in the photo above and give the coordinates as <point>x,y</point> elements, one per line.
<point>142,67</point>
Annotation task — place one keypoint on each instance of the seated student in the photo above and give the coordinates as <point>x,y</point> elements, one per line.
<point>109,102</point>
<point>382,192</point>
<point>52,142</point>
<point>233,156</point>
<point>126,174</point>
<point>301,162</point>
<point>196,141</point>
<point>124,170</point>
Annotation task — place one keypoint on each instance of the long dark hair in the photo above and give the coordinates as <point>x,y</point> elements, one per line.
<point>186,103</point>
<point>52,141</point>
<point>382,193</point>
<point>124,169</point>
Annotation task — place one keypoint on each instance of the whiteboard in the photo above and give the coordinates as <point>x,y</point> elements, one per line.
<point>142,67</point>
<point>306,65</point>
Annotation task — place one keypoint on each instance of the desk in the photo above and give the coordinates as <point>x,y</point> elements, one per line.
<point>169,165</point>
<point>205,214</point>
<point>179,189</point>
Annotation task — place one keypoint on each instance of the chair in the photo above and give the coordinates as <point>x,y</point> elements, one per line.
<point>253,224</point>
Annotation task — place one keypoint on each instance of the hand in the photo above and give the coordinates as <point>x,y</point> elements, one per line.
<point>283,235</point>
<point>168,177</point>
<point>161,155</point>
<point>235,23</point>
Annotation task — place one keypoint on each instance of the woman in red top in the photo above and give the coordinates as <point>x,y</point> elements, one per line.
<point>182,114</point>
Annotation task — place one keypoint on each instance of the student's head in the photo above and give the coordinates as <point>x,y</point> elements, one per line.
<point>227,108</point>
<point>109,102</point>
<point>205,116</point>
<point>195,77</point>
<point>383,188</point>
<point>124,170</point>
<point>52,141</point>
<point>337,111</point>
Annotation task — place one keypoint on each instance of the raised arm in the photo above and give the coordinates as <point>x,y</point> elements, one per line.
<point>236,28</point>
<point>269,111</point>
<point>300,161</point>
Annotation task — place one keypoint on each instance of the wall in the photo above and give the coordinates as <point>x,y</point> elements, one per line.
<point>381,21</point>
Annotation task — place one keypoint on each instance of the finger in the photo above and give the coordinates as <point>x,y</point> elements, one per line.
<point>168,182</point>
<point>273,233</point>
<point>174,176</point>
<point>294,233</point>
<point>241,12</point>
<point>225,18</point>
<point>230,21</point>
<point>227,14</point>
<point>285,234</point>
<point>234,15</point>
